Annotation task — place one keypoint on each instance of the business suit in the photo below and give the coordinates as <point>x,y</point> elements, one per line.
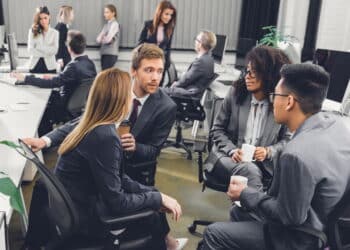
<point>308,183</point>
<point>44,48</point>
<point>150,131</point>
<point>165,45</point>
<point>91,171</point>
<point>228,134</point>
<point>196,79</point>
<point>62,52</point>
<point>78,69</point>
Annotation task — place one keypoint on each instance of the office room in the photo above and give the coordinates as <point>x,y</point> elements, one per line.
<point>181,124</point>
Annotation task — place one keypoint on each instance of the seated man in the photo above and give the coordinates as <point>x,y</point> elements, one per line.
<point>195,80</point>
<point>246,117</point>
<point>310,178</point>
<point>152,116</point>
<point>79,68</point>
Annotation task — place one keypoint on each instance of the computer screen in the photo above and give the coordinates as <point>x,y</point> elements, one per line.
<point>13,51</point>
<point>219,50</point>
<point>336,63</point>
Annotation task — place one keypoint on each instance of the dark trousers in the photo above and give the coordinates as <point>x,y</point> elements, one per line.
<point>40,230</point>
<point>225,167</point>
<point>40,67</point>
<point>108,61</point>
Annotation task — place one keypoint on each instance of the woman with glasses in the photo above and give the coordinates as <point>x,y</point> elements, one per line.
<point>64,19</point>
<point>160,30</point>
<point>109,38</point>
<point>246,117</point>
<point>42,43</point>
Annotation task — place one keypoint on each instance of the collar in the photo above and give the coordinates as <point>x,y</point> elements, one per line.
<point>142,100</point>
<point>255,101</point>
<point>74,57</point>
<point>112,20</point>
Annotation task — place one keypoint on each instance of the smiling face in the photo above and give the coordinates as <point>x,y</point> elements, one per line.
<point>253,83</point>
<point>147,76</point>
<point>166,16</point>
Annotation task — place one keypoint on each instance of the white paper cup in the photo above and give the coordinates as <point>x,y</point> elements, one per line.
<point>248,152</point>
<point>239,179</point>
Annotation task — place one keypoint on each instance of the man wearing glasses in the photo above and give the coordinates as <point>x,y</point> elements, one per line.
<point>246,118</point>
<point>201,71</point>
<point>311,176</point>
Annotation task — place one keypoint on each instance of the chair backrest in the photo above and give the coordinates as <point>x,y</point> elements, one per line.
<point>172,74</point>
<point>61,210</point>
<point>338,226</point>
<point>188,109</point>
<point>77,101</point>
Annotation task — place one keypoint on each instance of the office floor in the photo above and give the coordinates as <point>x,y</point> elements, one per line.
<point>177,177</point>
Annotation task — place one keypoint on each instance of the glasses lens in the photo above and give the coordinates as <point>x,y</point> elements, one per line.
<point>272,97</point>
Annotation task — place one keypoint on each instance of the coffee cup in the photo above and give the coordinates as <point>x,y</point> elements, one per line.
<point>248,152</point>
<point>239,179</point>
<point>124,128</point>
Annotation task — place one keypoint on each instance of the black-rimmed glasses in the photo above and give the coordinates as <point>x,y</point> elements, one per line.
<point>250,73</point>
<point>273,95</point>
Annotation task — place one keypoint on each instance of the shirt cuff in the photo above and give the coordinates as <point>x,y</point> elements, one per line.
<point>232,152</point>
<point>47,141</point>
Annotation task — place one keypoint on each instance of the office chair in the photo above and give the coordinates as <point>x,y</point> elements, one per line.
<point>142,172</point>
<point>77,100</point>
<point>188,109</point>
<point>64,216</point>
<point>172,74</point>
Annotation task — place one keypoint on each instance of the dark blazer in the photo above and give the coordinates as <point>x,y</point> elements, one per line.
<point>165,45</point>
<point>229,128</point>
<point>62,48</point>
<point>151,129</point>
<point>196,79</point>
<point>92,170</point>
<point>78,69</point>
<point>310,178</point>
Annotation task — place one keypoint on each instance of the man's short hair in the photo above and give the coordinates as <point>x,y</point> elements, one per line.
<point>208,39</point>
<point>308,82</point>
<point>76,41</point>
<point>145,51</point>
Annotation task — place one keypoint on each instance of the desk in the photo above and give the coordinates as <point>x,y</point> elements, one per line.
<point>18,121</point>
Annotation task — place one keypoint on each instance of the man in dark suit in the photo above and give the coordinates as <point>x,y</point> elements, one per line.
<point>80,68</point>
<point>152,114</point>
<point>201,71</point>
<point>309,180</point>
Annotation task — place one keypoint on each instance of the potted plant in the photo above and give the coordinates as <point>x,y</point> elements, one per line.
<point>8,188</point>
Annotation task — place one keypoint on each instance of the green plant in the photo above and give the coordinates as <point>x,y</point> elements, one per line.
<point>273,36</point>
<point>7,187</point>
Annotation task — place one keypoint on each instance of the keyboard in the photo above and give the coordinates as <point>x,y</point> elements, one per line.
<point>226,82</point>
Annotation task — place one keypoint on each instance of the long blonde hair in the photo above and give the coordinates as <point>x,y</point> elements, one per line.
<point>108,102</point>
<point>65,14</point>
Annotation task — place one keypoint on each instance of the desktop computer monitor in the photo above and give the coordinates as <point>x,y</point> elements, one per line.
<point>219,50</point>
<point>336,63</point>
<point>13,51</point>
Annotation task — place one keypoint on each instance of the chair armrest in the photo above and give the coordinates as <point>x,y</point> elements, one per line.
<point>344,222</point>
<point>122,220</point>
<point>199,146</point>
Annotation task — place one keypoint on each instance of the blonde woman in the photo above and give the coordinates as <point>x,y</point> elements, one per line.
<point>64,19</point>
<point>42,43</point>
<point>90,162</point>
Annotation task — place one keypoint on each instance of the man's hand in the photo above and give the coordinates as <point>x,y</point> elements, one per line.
<point>237,156</point>
<point>128,142</point>
<point>47,77</point>
<point>170,205</point>
<point>260,154</point>
<point>35,143</point>
<point>19,76</point>
<point>235,189</point>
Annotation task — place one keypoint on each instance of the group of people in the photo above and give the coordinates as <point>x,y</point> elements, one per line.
<point>275,106</point>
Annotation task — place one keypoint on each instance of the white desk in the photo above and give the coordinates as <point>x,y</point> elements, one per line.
<point>16,123</point>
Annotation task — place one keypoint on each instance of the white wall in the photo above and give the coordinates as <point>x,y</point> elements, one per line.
<point>334,26</point>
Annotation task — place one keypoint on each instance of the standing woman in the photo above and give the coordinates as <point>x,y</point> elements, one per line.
<point>42,43</point>
<point>160,30</point>
<point>64,19</point>
<point>109,38</point>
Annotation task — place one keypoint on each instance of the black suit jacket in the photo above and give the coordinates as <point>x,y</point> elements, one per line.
<point>151,129</point>
<point>165,45</point>
<point>92,170</point>
<point>78,69</point>
<point>62,48</point>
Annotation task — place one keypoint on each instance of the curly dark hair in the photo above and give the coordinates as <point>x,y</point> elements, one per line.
<point>266,62</point>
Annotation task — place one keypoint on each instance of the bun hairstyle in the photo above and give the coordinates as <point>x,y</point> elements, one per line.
<point>36,27</point>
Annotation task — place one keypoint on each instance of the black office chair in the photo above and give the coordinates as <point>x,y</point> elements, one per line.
<point>142,172</point>
<point>172,74</point>
<point>76,102</point>
<point>64,216</point>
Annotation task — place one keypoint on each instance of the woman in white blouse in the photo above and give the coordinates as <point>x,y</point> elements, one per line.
<point>42,43</point>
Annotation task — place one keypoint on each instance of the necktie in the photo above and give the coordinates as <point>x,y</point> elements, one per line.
<point>135,108</point>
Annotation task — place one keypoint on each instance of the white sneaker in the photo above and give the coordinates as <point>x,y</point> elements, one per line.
<point>182,242</point>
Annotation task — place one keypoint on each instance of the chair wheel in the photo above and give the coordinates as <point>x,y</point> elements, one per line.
<point>192,228</point>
